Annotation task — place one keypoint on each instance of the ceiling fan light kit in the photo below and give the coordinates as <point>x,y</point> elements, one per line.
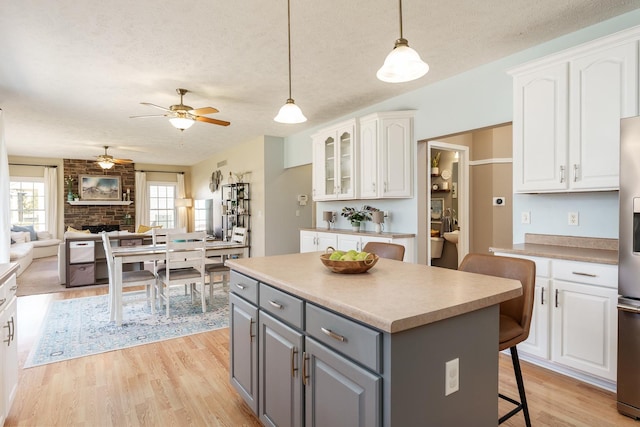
<point>403,64</point>
<point>290,113</point>
<point>184,116</point>
<point>105,161</point>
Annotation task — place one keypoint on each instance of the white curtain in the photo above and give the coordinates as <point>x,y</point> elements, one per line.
<point>5,215</point>
<point>182,211</point>
<point>51,200</point>
<point>142,200</point>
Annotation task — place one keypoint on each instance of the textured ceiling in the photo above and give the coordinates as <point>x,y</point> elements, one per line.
<point>72,72</point>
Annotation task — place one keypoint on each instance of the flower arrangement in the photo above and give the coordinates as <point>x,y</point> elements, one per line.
<point>69,180</point>
<point>358,215</point>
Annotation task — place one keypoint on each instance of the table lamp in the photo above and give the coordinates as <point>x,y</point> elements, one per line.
<point>378,220</point>
<point>329,217</point>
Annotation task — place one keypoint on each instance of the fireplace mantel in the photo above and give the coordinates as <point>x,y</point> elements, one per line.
<point>99,202</point>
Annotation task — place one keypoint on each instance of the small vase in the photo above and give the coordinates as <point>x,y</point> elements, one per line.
<point>435,170</point>
<point>355,225</point>
<point>70,196</point>
<point>378,228</point>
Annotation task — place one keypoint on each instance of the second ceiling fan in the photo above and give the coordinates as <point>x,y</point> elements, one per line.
<point>183,116</point>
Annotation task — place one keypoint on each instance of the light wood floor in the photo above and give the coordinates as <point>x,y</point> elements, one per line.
<point>185,381</point>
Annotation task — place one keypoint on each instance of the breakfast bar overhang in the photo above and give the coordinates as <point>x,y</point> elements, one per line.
<point>424,316</point>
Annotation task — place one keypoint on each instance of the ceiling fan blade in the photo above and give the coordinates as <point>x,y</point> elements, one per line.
<point>213,121</point>
<point>156,106</point>
<point>148,115</point>
<point>122,161</point>
<point>204,110</point>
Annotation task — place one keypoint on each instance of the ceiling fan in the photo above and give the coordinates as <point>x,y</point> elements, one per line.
<point>106,161</point>
<point>183,116</point>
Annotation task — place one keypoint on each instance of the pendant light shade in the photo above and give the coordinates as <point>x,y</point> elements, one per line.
<point>403,64</point>
<point>290,113</point>
<point>104,164</point>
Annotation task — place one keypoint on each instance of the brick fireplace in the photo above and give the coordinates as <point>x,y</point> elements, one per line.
<point>79,216</point>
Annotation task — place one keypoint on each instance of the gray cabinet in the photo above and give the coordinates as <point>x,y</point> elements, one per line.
<point>243,367</point>
<point>339,392</point>
<point>280,378</point>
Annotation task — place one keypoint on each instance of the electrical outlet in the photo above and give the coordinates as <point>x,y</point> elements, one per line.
<point>525,217</point>
<point>573,218</point>
<point>452,376</point>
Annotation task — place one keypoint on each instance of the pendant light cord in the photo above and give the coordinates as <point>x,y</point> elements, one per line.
<point>400,8</point>
<point>289,41</point>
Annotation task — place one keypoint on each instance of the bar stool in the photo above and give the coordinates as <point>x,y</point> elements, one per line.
<point>515,314</point>
<point>385,250</point>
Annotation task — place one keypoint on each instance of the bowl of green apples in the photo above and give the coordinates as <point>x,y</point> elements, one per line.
<point>348,262</point>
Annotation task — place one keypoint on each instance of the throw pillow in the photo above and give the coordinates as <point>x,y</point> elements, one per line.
<point>44,235</point>
<point>78,231</point>
<point>145,228</point>
<point>19,236</point>
<point>29,229</point>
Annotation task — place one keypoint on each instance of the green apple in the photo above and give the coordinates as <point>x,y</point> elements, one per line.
<point>362,256</point>
<point>335,256</point>
<point>348,257</point>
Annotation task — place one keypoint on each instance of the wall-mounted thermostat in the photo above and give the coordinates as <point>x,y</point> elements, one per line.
<point>302,199</point>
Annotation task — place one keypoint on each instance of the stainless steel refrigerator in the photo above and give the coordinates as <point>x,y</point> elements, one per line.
<point>629,270</point>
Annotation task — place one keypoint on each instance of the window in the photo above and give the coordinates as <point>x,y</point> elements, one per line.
<point>162,209</point>
<point>26,201</point>
<point>200,215</point>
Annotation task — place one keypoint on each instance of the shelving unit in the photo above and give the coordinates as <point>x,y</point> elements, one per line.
<point>236,210</point>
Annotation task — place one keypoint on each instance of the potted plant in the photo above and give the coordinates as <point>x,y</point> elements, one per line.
<point>357,216</point>
<point>435,161</point>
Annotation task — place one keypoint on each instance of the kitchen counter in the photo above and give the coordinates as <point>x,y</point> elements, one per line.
<point>386,234</point>
<point>586,249</point>
<point>392,296</point>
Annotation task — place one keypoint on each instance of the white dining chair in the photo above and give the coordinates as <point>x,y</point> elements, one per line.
<point>184,266</point>
<point>130,279</point>
<point>218,273</point>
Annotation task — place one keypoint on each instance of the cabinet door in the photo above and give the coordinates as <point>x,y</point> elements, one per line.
<point>369,159</point>
<point>584,333</point>
<point>604,88</point>
<point>307,241</point>
<point>347,242</point>
<point>280,378</point>
<point>243,369</point>
<point>338,392</point>
<point>538,342</point>
<point>395,157</point>
<point>10,349</point>
<point>323,179</point>
<point>345,154</point>
<point>540,140</point>
<point>324,240</point>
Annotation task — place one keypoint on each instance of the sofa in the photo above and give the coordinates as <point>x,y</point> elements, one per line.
<point>24,249</point>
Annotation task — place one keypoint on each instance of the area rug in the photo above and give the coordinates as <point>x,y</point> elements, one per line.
<point>41,277</point>
<point>80,327</point>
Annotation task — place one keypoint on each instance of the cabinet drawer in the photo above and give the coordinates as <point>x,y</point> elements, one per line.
<point>586,272</point>
<point>543,265</point>
<point>352,339</point>
<point>81,252</point>
<point>282,305</point>
<point>244,286</point>
<point>9,288</point>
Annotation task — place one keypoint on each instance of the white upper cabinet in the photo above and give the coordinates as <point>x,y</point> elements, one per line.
<point>604,89</point>
<point>334,162</point>
<point>386,147</point>
<point>567,111</point>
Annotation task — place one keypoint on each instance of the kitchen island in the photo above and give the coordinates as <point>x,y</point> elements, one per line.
<point>371,348</point>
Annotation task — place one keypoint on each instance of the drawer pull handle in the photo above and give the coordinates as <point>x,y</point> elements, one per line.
<point>629,308</point>
<point>333,334</point>
<point>294,352</point>
<point>2,301</point>
<point>276,305</point>
<point>579,273</point>
<point>305,375</point>
<point>251,336</point>
<point>239,286</point>
<point>13,288</point>
<point>541,296</point>
<point>557,292</point>
<point>561,174</point>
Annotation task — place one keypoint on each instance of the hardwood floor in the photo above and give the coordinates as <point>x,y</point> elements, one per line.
<point>185,381</point>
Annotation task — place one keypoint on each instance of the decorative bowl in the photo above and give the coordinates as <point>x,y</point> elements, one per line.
<point>349,267</point>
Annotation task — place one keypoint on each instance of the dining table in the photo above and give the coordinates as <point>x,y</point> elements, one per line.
<point>148,253</point>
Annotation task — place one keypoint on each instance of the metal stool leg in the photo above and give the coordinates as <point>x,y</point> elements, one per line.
<point>522,405</point>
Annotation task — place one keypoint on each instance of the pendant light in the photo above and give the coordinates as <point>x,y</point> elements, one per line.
<point>403,64</point>
<point>290,113</point>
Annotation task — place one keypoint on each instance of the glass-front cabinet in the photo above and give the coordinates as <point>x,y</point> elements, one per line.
<point>333,162</point>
